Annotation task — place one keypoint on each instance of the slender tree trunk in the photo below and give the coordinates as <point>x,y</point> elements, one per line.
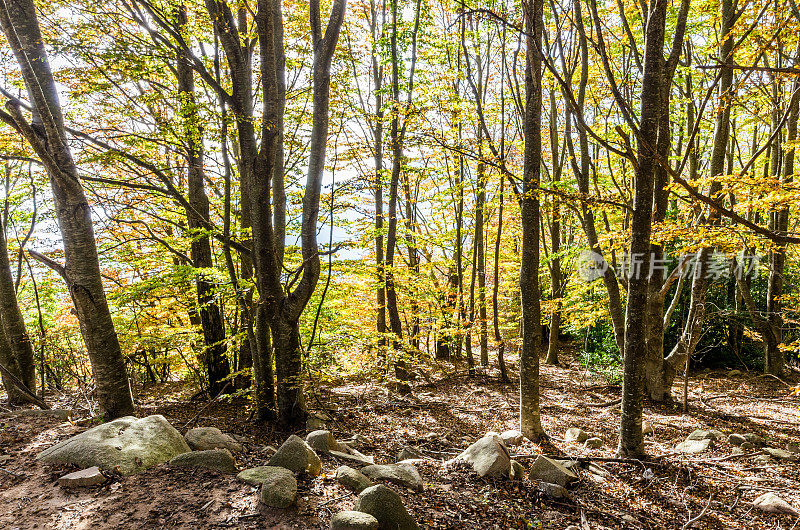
<point>215,357</point>
<point>81,271</point>
<point>631,442</point>
<point>530,417</point>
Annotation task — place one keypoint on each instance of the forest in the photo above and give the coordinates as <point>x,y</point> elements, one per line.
<point>399,264</point>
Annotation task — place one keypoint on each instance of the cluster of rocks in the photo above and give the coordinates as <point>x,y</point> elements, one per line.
<point>576,435</point>
<point>701,440</point>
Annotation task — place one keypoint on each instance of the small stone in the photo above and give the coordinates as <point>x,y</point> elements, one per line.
<point>716,435</point>
<point>734,373</point>
<point>352,479</point>
<point>512,438</point>
<point>593,443</point>
<point>737,451</point>
<point>215,459</point>
<point>647,428</point>
<point>280,488</point>
<point>754,439</point>
<point>401,474</point>
<point>256,476</point>
<point>387,507</point>
<point>575,435</point>
<point>354,456</point>
<point>700,434</point>
<point>736,439</point>
<point>314,423</point>
<point>205,438</point>
<point>516,471</point>
<point>793,447</point>
<point>554,491</point>
<point>762,460</point>
<point>85,477</point>
<point>630,519</point>
<point>296,456</point>
<point>59,414</point>
<point>769,502</point>
<point>548,470</point>
<point>779,454</point>
<point>408,452</point>
<point>350,520</point>
<point>322,441</point>
<point>747,446</point>
<point>693,446</point>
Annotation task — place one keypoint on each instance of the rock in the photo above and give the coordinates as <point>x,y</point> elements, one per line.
<point>736,439</point>
<point>693,446</point>
<point>593,443</point>
<point>762,460</point>
<point>408,452</point>
<point>350,520</point>
<point>352,479</point>
<point>215,459</point>
<point>387,507</point>
<point>754,439</point>
<point>516,471</point>
<point>575,435</point>
<point>357,458</point>
<point>700,434</point>
<point>737,451</point>
<point>127,445</point>
<point>554,491</point>
<point>769,502</point>
<point>314,423</point>
<point>256,476</point>
<point>296,456</point>
<point>279,489</point>
<point>734,373</point>
<point>793,447</point>
<point>59,414</point>
<point>548,470</point>
<point>85,477</point>
<point>512,438</point>
<point>205,438</point>
<point>747,446</point>
<point>488,457</point>
<point>400,474</point>
<point>647,428</point>
<point>322,441</point>
<point>779,454</point>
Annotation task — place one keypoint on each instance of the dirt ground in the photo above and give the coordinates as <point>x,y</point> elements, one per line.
<point>445,415</point>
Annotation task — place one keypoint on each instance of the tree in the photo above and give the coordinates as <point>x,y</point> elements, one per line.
<point>47,136</point>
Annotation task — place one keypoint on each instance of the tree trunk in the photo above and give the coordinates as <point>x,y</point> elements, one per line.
<point>48,138</point>
<point>530,418</point>
<point>213,327</point>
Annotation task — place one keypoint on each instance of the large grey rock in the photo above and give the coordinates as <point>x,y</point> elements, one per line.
<point>127,445</point>
<point>350,520</point>
<point>512,438</point>
<point>769,502</point>
<point>352,479</point>
<point>322,441</point>
<point>754,439</point>
<point>700,434</point>
<point>548,470</point>
<point>296,456</point>
<point>780,454</point>
<point>256,476</point>
<point>279,488</point>
<point>85,477</point>
<point>400,474</point>
<point>206,438</point>
<point>387,507</point>
<point>215,459</point>
<point>488,457</point>
<point>693,446</point>
<point>736,439</point>
<point>575,435</point>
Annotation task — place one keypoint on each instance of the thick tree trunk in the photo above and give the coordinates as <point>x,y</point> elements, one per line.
<point>530,417</point>
<point>82,268</point>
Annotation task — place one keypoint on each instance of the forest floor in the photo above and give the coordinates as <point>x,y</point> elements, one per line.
<point>444,415</point>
